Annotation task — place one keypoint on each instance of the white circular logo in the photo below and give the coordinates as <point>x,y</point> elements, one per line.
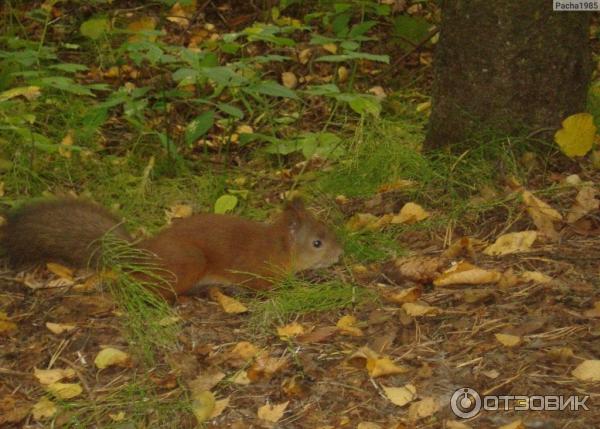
<point>465,403</point>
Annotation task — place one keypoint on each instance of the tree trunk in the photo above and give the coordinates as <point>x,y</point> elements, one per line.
<point>505,67</point>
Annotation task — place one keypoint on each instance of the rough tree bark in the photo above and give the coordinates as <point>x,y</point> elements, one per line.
<point>506,66</point>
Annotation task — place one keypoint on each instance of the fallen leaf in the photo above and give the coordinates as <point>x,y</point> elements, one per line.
<point>140,27</point>
<point>594,312</point>
<point>244,350</point>
<point>368,425</point>
<point>347,325</point>
<point>330,47</point>
<point>588,370</point>
<point>272,413</point>
<point>318,335</point>
<point>64,390</point>
<point>65,146</point>
<point>410,213</point>
<point>376,364</point>
<point>410,294</point>
<point>453,424</point>
<point>343,73</point>
<point>6,326</point>
<point>424,408</point>
<point>513,242</point>
<point>241,378</point>
<point>289,80</point>
<point>220,406</point>
<point>414,309</point>
<point>59,328</point>
<point>44,409</point>
<point>542,214</point>
<point>401,395</point>
<point>265,366</point>
<point>203,405</point>
<point>466,273</point>
<point>576,136</point>
<point>508,340</point>
<point>535,277</point>
<point>111,356</point>
<point>117,417</point>
<point>178,211</point>
<point>228,304</point>
<point>60,270</point>
<point>419,269</point>
<point>181,14</point>
<point>585,203</point>
<point>291,330</point>
<point>367,221</point>
<point>206,381</point>
<point>49,376</point>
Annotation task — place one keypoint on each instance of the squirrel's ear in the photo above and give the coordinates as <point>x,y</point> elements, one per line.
<point>293,213</point>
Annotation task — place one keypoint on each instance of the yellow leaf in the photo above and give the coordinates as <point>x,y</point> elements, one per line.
<point>140,26</point>
<point>401,395</point>
<point>228,304</point>
<point>44,409</point>
<point>535,277</point>
<point>206,381</point>
<point>576,136</point>
<point>244,350</point>
<point>111,356</point>
<point>585,202</point>
<point>220,406</point>
<point>376,364</point>
<point>415,310</point>
<point>508,340</point>
<point>289,80</point>
<point>5,324</point>
<point>343,73</point>
<point>182,14</point>
<point>588,370</point>
<point>64,149</point>
<point>241,378</point>
<point>203,405</point>
<point>64,390</point>
<point>291,330</point>
<point>29,92</point>
<point>465,273</point>
<point>60,270</point>
<point>59,328</point>
<point>304,55</point>
<point>330,47</point>
<point>542,214</point>
<point>424,408</point>
<point>272,413</point>
<point>410,213</point>
<point>513,242</point>
<point>49,376</point>
<point>347,325</point>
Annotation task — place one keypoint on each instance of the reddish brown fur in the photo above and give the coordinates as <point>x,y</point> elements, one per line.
<point>202,249</point>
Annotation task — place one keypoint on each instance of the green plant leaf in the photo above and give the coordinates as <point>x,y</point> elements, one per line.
<point>225,204</point>
<point>273,89</point>
<point>231,110</point>
<point>410,30</point>
<point>199,126</point>
<point>94,28</point>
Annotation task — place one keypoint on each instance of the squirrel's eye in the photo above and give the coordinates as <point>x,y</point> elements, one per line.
<point>317,243</point>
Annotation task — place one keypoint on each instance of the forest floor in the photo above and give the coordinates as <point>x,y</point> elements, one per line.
<point>423,303</point>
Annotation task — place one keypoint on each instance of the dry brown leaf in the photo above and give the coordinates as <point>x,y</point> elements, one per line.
<point>401,395</point>
<point>241,378</point>
<point>368,425</point>
<point>513,242</point>
<point>244,350</point>
<point>367,221</point>
<point>542,214</point>
<point>203,405</point>
<point>585,203</point>
<point>220,406</point>
<point>110,356</point>
<point>265,366</point>
<point>228,304</point>
<point>414,309</point>
<point>44,409</point>
<point>6,326</point>
<point>330,47</point>
<point>59,328</point>
<point>424,408</point>
<point>347,325</point>
<point>178,211</point>
<point>140,26</point>
<point>343,73</point>
<point>410,294</point>
<point>318,335</point>
<point>454,424</point>
<point>535,277</point>
<point>117,417</point>
<point>49,376</point>
<point>206,381</point>
<point>272,413</point>
<point>466,273</point>
<point>419,269</point>
<point>64,390</point>
<point>304,55</point>
<point>461,247</point>
<point>508,340</point>
<point>588,370</point>
<point>290,330</point>
<point>594,312</point>
<point>410,213</point>
<point>182,14</point>
<point>289,80</point>
<point>376,364</point>
<point>60,270</point>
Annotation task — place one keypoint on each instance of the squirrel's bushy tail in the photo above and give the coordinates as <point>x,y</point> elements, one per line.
<point>61,230</point>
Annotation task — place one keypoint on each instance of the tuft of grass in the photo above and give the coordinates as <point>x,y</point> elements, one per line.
<point>135,282</point>
<point>294,297</point>
<point>138,399</point>
<point>371,246</point>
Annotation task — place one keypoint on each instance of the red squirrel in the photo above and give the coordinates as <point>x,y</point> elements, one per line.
<point>198,250</point>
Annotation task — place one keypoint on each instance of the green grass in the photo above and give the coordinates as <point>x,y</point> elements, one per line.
<point>294,297</point>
